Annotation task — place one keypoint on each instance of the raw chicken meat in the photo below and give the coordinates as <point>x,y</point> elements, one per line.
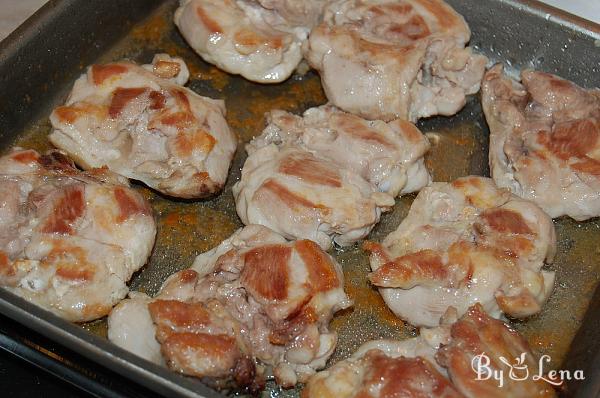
<point>254,302</point>
<point>328,174</point>
<point>545,141</point>
<point>384,59</point>
<point>141,123</point>
<point>69,241</point>
<point>461,243</point>
<point>260,40</point>
<point>478,341</point>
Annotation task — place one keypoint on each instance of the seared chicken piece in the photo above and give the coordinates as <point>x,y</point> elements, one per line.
<point>388,369</point>
<point>461,243</point>
<point>479,342</point>
<point>545,141</point>
<point>256,301</point>
<point>388,59</point>
<point>141,123</point>
<point>328,174</point>
<point>419,367</point>
<point>69,241</point>
<point>260,40</point>
<point>388,155</point>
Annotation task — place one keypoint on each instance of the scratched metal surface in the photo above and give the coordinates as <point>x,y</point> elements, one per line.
<point>187,228</point>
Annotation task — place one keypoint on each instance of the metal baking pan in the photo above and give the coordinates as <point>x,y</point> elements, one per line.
<point>40,61</point>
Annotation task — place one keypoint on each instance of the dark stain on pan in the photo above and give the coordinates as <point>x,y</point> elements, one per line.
<point>460,146</point>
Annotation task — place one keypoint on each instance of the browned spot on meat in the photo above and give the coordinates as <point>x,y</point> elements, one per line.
<point>75,274</point>
<point>6,266</point>
<point>519,306</point>
<point>356,127</point>
<point>188,276</point>
<point>394,8</point>
<point>26,156</point>
<point>410,270</point>
<point>69,114</point>
<point>67,210</point>
<point>199,140</point>
<point>506,221</point>
<point>102,72</point>
<point>377,250</point>
<point>157,100</point>
<point>244,374</point>
<point>467,182</point>
<point>182,99</point>
<point>414,29</point>
<point>446,17</point>
<point>321,271</point>
<point>309,169</point>
<point>252,39</point>
<point>57,161</point>
<point>410,131</point>
<point>71,262</point>
<point>180,120</point>
<point>201,354</point>
<point>572,139</point>
<point>266,271</point>
<point>121,97</point>
<point>211,25</point>
<point>178,315</point>
<point>290,198</point>
<point>128,205</point>
<point>404,377</point>
<point>293,326</point>
<point>166,69</point>
<point>588,166</point>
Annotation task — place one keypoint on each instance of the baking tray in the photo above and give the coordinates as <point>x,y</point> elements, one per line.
<point>40,61</point>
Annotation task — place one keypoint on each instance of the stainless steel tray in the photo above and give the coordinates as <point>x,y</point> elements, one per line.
<point>39,62</point>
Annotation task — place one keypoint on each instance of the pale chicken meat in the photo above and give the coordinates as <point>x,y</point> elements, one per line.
<point>545,141</point>
<point>140,122</point>
<point>69,240</point>
<point>256,304</point>
<point>384,59</point>
<point>461,243</point>
<point>480,345</point>
<point>259,40</point>
<point>328,175</point>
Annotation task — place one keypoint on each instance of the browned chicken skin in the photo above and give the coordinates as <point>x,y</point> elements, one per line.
<point>69,240</point>
<point>545,141</point>
<point>461,243</point>
<point>141,123</point>
<point>441,362</point>
<point>254,302</point>
<point>384,59</point>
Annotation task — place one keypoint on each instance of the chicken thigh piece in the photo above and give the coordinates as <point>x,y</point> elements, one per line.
<point>69,240</point>
<point>388,369</point>
<point>388,59</point>
<point>328,174</point>
<point>260,40</point>
<point>141,123</point>
<point>480,346</point>
<point>253,303</point>
<point>387,155</point>
<point>461,243</point>
<point>545,141</point>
